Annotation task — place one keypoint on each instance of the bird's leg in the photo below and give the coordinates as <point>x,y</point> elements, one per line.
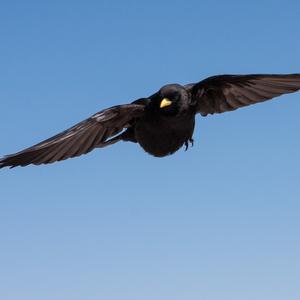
<point>186,143</point>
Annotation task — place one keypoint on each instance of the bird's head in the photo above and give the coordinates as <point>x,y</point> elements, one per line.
<point>171,100</point>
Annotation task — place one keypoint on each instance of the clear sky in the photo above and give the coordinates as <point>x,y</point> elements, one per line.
<point>220,221</point>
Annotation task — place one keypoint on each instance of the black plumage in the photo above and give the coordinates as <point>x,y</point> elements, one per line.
<point>161,123</point>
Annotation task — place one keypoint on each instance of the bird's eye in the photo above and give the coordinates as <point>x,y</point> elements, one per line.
<point>165,102</point>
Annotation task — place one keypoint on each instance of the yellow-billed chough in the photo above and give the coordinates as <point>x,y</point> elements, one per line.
<point>161,123</point>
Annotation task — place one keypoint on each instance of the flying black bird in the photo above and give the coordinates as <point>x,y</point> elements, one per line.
<point>161,123</point>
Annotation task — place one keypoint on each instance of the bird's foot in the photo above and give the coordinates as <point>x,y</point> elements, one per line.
<point>191,140</point>
<point>186,143</point>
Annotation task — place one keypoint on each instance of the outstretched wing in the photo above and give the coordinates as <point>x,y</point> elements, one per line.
<point>223,93</point>
<point>83,137</point>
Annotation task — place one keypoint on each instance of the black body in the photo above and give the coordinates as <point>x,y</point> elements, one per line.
<point>163,131</point>
<point>161,123</point>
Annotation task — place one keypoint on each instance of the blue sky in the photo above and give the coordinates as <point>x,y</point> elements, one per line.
<point>220,221</point>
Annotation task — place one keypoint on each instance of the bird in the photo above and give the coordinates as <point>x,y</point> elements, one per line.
<point>161,123</point>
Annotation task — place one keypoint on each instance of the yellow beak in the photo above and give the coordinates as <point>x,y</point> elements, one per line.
<point>165,102</point>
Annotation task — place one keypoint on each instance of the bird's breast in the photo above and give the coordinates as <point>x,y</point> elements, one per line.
<point>163,137</point>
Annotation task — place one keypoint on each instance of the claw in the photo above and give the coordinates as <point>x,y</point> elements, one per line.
<point>191,140</point>
<point>186,143</point>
